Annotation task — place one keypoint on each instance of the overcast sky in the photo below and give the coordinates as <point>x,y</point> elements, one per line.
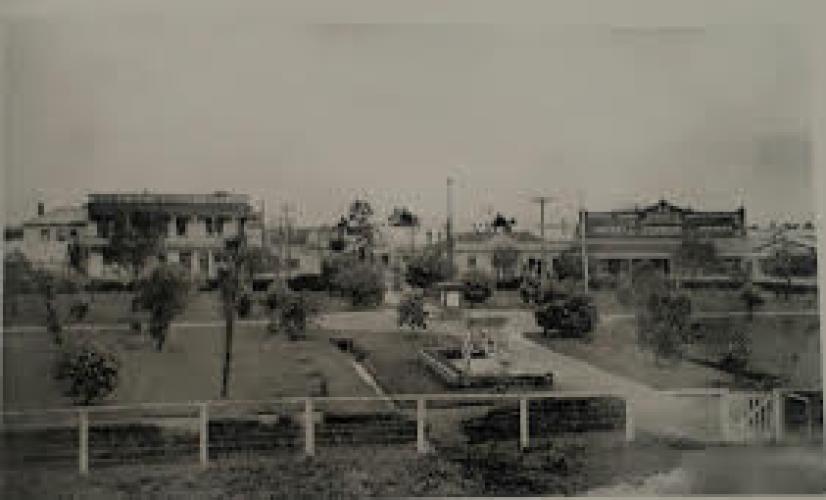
<point>316,115</point>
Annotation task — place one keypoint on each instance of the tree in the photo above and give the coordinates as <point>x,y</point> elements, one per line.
<point>290,311</point>
<point>356,230</point>
<point>296,309</point>
<point>135,238</point>
<point>478,287</point>
<point>568,266</point>
<point>89,372</point>
<point>163,293</point>
<point>403,217</point>
<point>501,222</point>
<point>361,281</point>
<point>427,269</point>
<point>411,312</point>
<point>662,314</point>
<point>696,256</point>
<point>575,316</point>
<point>505,259</point>
<point>230,283</point>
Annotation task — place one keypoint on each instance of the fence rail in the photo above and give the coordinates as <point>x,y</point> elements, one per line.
<point>204,431</point>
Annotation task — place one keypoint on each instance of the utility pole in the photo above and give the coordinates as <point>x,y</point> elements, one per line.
<point>285,207</point>
<point>449,228</point>
<point>543,268</point>
<point>584,256</point>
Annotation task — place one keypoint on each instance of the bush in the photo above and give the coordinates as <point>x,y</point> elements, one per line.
<point>575,316</point>
<point>362,282</point>
<point>89,372</point>
<point>244,305</point>
<point>307,282</point>
<point>423,271</point>
<point>295,313</point>
<point>478,287</point>
<point>411,312</point>
<point>163,293</point>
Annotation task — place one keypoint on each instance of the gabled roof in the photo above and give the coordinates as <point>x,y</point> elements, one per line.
<point>61,216</point>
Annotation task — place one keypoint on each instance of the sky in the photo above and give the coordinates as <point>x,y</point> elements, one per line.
<point>315,115</point>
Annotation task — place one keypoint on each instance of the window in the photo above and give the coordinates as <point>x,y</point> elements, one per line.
<point>471,261</point>
<point>60,234</point>
<point>180,226</point>
<point>219,225</point>
<point>293,263</point>
<point>44,234</point>
<point>73,233</point>
<point>210,229</point>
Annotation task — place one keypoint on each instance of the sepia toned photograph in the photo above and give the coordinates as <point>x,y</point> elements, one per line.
<point>248,257</point>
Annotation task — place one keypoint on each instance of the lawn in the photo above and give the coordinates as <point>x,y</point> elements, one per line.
<point>392,357</point>
<point>776,340</point>
<point>189,368</point>
<point>115,307</point>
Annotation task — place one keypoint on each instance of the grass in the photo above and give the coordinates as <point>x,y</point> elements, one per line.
<point>392,357</point>
<point>775,341</point>
<point>568,466</point>
<point>189,367</point>
<point>115,307</point>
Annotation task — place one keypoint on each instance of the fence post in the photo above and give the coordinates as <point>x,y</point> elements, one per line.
<point>204,434</point>
<point>523,424</point>
<point>421,443</point>
<point>779,414</point>
<point>309,428</point>
<point>629,421</point>
<point>83,441</point>
<point>725,416</point>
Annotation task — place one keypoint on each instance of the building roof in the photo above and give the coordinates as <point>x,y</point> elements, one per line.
<point>61,216</point>
<point>221,202</point>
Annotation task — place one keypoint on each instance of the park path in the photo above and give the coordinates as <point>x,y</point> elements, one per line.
<point>654,411</point>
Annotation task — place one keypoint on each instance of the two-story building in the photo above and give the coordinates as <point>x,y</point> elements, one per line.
<point>192,228</point>
<point>45,238</point>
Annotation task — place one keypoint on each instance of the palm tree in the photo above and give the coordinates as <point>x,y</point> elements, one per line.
<point>229,278</point>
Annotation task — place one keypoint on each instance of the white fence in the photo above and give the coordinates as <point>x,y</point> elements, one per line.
<point>201,432</point>
<point>204,431</point>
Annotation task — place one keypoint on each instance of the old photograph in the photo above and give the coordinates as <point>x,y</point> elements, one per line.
<point>247,257</point>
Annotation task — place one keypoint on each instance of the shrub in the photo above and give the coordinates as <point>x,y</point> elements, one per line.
<point>307,282</point>
<point>411,312</point>
<point>478,287</point>
<point>89,372</point>
<point>295,313</point>
<point>244,305</point>
<point>163,293</point>
<point>362,282</point>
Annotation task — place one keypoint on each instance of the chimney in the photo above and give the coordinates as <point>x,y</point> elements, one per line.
<point>41,208</point>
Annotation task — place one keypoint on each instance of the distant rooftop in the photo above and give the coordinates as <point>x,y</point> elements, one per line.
<point>218,197</point>
<point>67,216</point>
